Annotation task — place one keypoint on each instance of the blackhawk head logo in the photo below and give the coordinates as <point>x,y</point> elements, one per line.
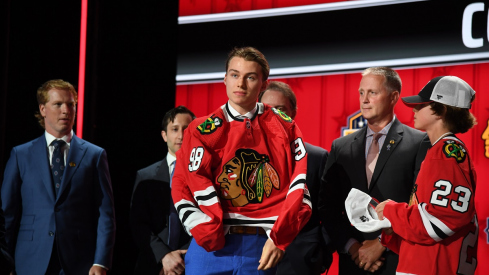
<point>247,178</point>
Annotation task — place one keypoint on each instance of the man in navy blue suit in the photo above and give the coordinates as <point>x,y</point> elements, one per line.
<point>57,195</point>
<point>6,262</point>
<point>308,253</point>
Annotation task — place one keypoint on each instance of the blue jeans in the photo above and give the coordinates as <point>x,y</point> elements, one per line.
<point>240,256</point>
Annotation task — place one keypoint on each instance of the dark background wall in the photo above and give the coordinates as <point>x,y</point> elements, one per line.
<point>130,83</point>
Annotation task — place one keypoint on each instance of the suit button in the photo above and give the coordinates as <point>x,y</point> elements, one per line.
<point>51,233</point>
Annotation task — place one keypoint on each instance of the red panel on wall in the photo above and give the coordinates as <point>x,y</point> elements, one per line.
<point>325,102</point>
<point>199,7</point>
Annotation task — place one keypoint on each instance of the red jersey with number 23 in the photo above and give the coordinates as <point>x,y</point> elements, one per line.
<point>437,232</point>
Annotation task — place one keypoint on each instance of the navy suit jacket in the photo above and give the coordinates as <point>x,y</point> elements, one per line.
<point>150,209</point>
<point>308,253</point>
<point>81,217</point>
<point>6,262</point>
<point>395,173</point>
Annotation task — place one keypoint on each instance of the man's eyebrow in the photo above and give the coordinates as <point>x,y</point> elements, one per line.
<point>236,71</point>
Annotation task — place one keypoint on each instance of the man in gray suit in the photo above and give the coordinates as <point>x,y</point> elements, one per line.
<point>308,253</point>
<point>387,171</point>
<point>151,205</point>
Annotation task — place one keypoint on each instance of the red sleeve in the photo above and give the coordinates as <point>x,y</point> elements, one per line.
<point>194,194</point>
<point>393,242</point>
<point>445,192</point>
<point>296,210</point>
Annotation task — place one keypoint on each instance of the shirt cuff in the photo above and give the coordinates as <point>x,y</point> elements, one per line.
<point>348,244</point>
<point>101,266</point>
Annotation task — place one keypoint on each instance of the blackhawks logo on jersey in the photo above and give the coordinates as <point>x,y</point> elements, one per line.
<point>247,178</point>
<point>454,150</point>
<point>282,115</point>
<point>210,125</point>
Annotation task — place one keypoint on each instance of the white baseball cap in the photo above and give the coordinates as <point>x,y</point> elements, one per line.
<point>360,208</point>
<point>448,90</point>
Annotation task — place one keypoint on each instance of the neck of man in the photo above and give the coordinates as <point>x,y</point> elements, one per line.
<point>379,124</point>
<point>243,109</point>
<point>436,131</point>
<point>58,134</point>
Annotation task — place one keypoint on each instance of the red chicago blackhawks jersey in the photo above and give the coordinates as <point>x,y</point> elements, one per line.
<point>241,171</point>
<point>437,232</point>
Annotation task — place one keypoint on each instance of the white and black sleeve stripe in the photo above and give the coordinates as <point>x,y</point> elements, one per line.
<point>307,198</point>
<point>190,215</point>
<point>298,183</point>
<point>206,197</point>
<point>435,227</point>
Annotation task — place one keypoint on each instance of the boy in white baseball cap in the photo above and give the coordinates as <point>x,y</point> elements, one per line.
<point>438,229</point>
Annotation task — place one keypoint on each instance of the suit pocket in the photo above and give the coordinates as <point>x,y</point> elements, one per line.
<point>25,235</point>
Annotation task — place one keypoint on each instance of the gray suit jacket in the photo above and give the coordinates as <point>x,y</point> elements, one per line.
<point>395,173</point>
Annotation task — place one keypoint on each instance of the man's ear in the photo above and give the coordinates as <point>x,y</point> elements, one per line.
<point>42,110</point>
<point>395,97</point>
<point>163,135</point>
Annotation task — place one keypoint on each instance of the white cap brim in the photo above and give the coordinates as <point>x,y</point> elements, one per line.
<point>361,212</point>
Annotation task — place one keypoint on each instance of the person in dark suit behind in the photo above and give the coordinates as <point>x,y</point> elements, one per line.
<point>60,217</point>
<point>151,204</point>
<point>308,253</point>
<point>6,262</point>
<point>389,175</point>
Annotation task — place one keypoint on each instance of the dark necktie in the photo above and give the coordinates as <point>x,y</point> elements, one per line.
<point>57,163</point>
<point>173,220</point>
<point>372,156</point>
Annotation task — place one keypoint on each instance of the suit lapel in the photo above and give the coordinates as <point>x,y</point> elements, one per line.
<point>42,165</point>
<point>162,173</point>
<point>393,138</point>
<point>75,156</point>
<point>358,154</point>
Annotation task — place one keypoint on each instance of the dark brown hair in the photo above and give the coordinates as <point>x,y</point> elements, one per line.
<point>285,89</point>
<point>170,115</point>
<point>457,120</point>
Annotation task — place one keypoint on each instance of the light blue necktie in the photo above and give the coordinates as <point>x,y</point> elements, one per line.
<point>173,220</point>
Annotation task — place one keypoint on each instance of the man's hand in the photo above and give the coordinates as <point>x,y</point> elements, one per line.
<point>370,255</point>
<point>97,270</point>
<point>353,251</point>
<point>173,263</point>
<point>380,209</point>
<point>270,256</point>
